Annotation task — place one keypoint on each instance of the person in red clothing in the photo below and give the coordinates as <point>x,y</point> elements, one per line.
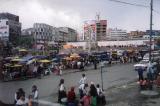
<point>158,80</point>
<point>86,100</point>
<point>71,96</point>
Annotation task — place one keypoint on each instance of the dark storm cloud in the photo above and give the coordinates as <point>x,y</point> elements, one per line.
<point>74,12</point>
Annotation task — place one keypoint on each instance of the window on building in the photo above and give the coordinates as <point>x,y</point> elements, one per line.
<point>6,22</point>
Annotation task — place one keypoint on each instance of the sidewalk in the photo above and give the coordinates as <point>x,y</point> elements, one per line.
<point>122,95</point>
<point>129,95</point>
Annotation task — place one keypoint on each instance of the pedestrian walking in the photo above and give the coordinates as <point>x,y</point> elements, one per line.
<point>140,73</point>
<point>35,95</point>
<point>62,91</point>
<point>101,97</point>
<point>93,94</point>
<point>83,80</point>
<point>18,94</point>
<point>60,70</point>
<point>79,64</point>
<point>39,71</point>
<point>95,63</point>
<point>35,71</point>
<point>150,72</point>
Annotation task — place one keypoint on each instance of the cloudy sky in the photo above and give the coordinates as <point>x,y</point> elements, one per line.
<point>73,13</point>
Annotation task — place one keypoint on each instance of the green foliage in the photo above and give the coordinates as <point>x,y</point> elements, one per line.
<point>26,42</point>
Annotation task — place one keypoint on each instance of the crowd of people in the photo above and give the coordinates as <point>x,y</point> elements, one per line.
<point>152,76</point>
<point>15,71</point>
<point>22,100</point>
<point>89,95</point>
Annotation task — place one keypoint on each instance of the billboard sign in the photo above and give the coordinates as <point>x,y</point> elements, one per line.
<point>4,29</point>
<point>90,25</point>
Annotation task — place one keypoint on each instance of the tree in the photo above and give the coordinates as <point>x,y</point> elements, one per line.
<point>27,41</point>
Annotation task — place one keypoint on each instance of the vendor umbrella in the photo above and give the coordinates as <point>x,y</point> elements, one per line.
<point>16,59</point>
<point>22,50</point>
<point>31,61</point>
<point>75,56</point>
<point>67,46</point>
<point>67,58</point>
<point>44,61</point>
<point>16,65</point>
<point>7,65</point>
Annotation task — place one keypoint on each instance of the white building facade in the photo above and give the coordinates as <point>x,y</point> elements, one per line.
<point>43,33</point>
<point>148,37</point>
<point>113,43</point>
<point>10,27</point>
<point>117,33</point>
<point>4,29</point>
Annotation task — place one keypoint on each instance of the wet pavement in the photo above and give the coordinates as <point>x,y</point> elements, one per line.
<point>115,75</point>
<point>129,95</point>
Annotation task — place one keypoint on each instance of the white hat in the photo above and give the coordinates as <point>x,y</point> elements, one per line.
<point>92,83</point>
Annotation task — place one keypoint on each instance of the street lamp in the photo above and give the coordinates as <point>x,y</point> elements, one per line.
<point>102,76</point>
<point>151,19</point>
<point>103,64</point>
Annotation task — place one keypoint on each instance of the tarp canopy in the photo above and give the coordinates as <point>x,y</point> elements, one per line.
<point>23,50</point>
<point>16,60</point>
<point>68,58</point>
<point>44,61</point>
<point>27,58</point>
<point>68,46</point>
<point>40,57</point>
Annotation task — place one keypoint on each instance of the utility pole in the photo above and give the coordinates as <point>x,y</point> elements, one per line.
<point>89,39</point>
<point>151,19</point>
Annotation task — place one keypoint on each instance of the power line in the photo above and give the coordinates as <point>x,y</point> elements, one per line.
<point>156,11</point>
<point>133,4</point>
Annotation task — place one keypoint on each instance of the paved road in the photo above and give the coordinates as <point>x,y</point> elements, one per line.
<point>48,86</point>
<point>129,95</point>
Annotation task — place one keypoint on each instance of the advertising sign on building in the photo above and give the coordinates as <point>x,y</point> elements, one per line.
<point>4,29</point>
<point>90,26</point>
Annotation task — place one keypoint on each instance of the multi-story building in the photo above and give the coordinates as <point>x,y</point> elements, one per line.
<point>117,34</point>
<point>136,34</point>
<point>10,27</point>
<point>101,30</point>
<point>98,29</point>
<point>154,32</point>
<point>66,34</point>
<point>28,31</point>
<point>43,33</point>
<point>153,37</point>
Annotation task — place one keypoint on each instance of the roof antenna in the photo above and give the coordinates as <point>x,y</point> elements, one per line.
<point>98,16</point>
